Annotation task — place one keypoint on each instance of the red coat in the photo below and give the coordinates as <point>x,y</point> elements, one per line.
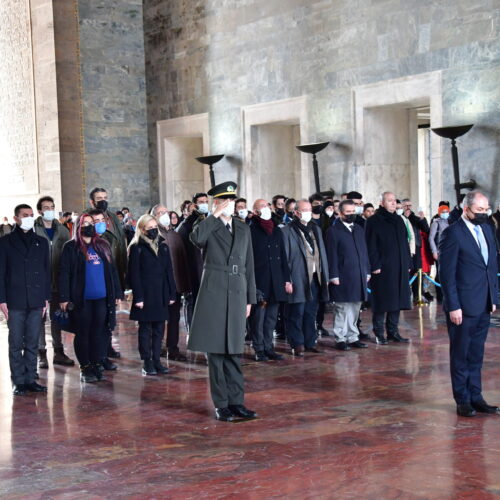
<point>427,258</point>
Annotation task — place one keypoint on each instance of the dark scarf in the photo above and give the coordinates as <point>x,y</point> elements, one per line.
<point>305,230</point>
<point>388,216</point>
<point>267,225</point>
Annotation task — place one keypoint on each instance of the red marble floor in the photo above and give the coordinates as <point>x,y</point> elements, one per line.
<point>374,423</point>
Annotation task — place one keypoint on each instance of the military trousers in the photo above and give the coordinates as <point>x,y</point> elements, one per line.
<point>226,379</point>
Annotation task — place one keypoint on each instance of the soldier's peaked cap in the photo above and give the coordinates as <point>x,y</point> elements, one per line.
<point>224,190</point>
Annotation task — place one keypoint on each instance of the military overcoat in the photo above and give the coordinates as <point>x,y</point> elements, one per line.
<point>227,286</point>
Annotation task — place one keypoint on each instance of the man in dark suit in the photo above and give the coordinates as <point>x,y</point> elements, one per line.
<point>25,289</point>
<point>467,256</point>
<point>349,273</point>
<point>272,279</point>
<point>226,293</point>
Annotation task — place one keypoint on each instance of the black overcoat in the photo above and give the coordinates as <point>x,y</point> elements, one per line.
<point>389,251</point>
<point>270,263</point>
<point>25,276</point>
<point>227,286</point>
<point>347,260</point>
<point>151,279</point>
<point>72,284</point>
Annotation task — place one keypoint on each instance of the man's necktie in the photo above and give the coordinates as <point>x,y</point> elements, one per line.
<point>229,227</point>
<point>483,246</point>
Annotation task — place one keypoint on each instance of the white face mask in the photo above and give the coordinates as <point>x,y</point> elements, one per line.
<point>243,213</point>
<point>164,220</point>
<point>358,210</point>
<point>27,223</point>
<point>265,213</point>
<point>203,208</point>
<point>329,213</point>
<point>49,215</point>
<point>306,216</point>
<point>399,211</point>
<point>74,218</point>
<point>445,215</point>
<point>229,210</point>
<point>488,212</point>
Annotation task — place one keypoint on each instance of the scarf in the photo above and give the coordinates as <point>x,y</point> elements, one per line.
<point>267,225</point>
<point>153,244</point>
<point>305,230</point>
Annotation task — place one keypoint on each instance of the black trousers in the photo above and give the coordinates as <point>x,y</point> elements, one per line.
<point>320,315</point>
<point>150,339</point>
<point>55,329</point>
<point>92,337</point>
<point>466,356</point>
<point>262,322</point>
<point>391,322</point>
<point>226,379</point>
<point>174,317</point>
<point>24,332</point>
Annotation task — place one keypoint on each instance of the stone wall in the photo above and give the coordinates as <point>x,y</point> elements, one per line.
<point>217,56</point>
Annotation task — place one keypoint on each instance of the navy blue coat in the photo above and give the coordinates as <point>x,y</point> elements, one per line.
<point>468,283</point>
<point>25,275</point>
<point>270,263</point>
<point>347,260</point>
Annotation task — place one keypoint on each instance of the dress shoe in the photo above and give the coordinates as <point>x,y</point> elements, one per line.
<point>395,337</point>
<point>87,374</point>
<point>241,411</point>
<point>42,359</point>
<point>176,356</point>
<point>364,336</point>
<point>429,296</point>
<point>274,355</point>
<point>298,351</point>
<point>149,368</point>
<point>465,410</point>
<point>162,370</point>
<point>261,356</point>
<point>313,349</point>
<point>225,415</point>
<point>380,340</point>
<point>108,365</point>
<point>342,346</point>
<point>60,358</point>
<point>358,344</point>
<point>18,389</point>
<point>34,387</point>
<point>484,407</point>
<point>98,371</point>
<point>113,353</point>
<point>323,332</point>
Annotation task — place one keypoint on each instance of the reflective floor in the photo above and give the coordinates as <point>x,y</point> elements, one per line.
<point>372,423</point>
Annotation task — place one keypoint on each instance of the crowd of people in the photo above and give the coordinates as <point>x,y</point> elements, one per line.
<point>271,269</point>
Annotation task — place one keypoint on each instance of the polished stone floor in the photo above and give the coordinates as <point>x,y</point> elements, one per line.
<point>374,423</point>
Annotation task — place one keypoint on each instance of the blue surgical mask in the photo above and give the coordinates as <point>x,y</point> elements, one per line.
<point>444,215</point>
<point>203,208</point>
<point>100,227</point>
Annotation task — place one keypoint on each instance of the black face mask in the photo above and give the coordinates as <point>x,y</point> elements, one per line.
<point>102,205</point>
<point>349,218</point>
<point>479,219</point>
<point>280,212</point>
<point>88,231</point>
<point>317,210</point>
<point>152,234</point>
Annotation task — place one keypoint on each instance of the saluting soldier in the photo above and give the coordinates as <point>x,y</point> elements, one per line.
<point>226,293</point>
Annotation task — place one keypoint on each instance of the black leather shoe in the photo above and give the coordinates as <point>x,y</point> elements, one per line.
<point>241,411</point>
<point>358,345</point>
<point>176,356</point>
<point>342,346</point>
<point>261,356</point>
<point>98,371</point>
<point>323,332</point>
<point>18,389</point>
<point>380,340</point>
<point>113,353</point>
<point>465,411</point>
<point>364,336</point>
<point>298,351</point>
<point>149,368</point>
<point>224,415</point>
<point>484,407</point>
<point>395,337</point>
<point>34,387</point>
<point>87,374</point>
<point>274,355</point>
<point>162,370</point>
<point>313,349</point>
<point>108,365</point>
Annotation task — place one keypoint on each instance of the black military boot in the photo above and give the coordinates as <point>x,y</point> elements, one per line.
<point>60,357</point>
<point>87,374</point>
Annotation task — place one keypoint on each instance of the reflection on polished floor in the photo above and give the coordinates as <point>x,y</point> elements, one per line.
<point>372,423</point>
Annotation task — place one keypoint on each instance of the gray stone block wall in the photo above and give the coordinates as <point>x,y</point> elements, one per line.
<point>216,56</point>
<point>114,101</point>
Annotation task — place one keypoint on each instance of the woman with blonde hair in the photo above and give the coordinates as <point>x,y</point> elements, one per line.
<point>151,279</point>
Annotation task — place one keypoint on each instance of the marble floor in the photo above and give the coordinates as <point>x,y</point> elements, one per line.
<point>374,423</point>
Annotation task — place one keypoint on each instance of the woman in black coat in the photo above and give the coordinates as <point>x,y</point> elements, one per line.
<point>151,279</point>
<point>89,288</point>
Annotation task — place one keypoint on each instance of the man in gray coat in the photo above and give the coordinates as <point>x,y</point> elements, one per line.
<point>308,265</point>
<point>226,293</point>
